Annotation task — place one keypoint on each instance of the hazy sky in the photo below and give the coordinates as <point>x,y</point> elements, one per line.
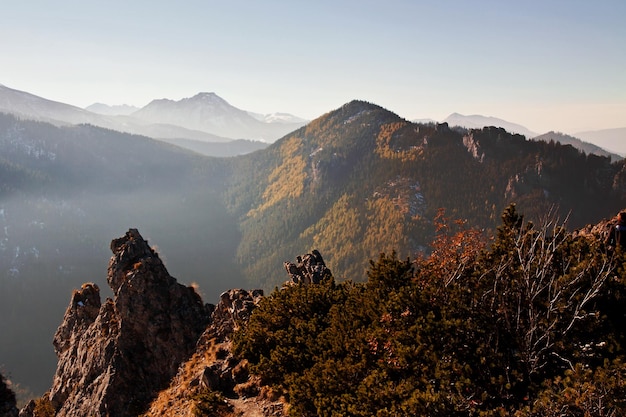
<point>545,64</point>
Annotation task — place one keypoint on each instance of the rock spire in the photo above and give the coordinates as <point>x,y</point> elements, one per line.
<point>114,357</point>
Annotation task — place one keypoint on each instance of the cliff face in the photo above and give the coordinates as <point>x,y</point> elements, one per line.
<point>114,357</point>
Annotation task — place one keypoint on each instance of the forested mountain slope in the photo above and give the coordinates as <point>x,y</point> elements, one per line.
<point>361,180</point>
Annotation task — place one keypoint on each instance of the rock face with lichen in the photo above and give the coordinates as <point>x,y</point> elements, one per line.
<point>114,357</point>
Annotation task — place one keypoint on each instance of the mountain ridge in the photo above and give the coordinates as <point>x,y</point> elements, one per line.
<point>33,107</point>
<point>107,110</point>
<point>117,118</point>
<point>480,121</point>
<point>191,118</point>
<point>39,108</point>
<point>610,139</point>
<point>210,113</point>
<point>356,181</point>
<point>594,142</point>
<point>586,147</point>
<point>366,166</point>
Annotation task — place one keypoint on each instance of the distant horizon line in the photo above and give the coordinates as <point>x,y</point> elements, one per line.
<point>413,119</point>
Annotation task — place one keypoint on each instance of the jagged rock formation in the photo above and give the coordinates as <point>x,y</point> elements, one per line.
<point>473,147</point>
<point>115,357</point>
<point>7,400</point>
<point>308,269</point>
<point>214,369</point>
<point>601,230</point>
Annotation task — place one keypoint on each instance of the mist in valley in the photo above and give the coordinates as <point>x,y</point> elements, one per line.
<point>51,247</point>
<point>84,187</point>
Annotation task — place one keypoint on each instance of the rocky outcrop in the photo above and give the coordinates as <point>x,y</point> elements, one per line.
<point>308,269</point>
<point>473,147</point>
<point>7,400</point>
<point>114,357</point>
<point>600,231</point>
<point>214,369</point>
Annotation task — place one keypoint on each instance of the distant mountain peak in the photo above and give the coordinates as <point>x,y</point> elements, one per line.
<point>359,106</point>
<point>478,121</point>
<point>205,117</point>
<point>116,110</point>
<point>199,99</point>
<point>588,148</point>
<point>208,112</point>
<point>611,139</point>
<point>206,97</point>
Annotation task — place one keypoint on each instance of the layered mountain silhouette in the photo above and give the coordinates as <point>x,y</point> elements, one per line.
<point>208,112</point>
<point>478,121</point>
<point>31,107</point>
<point>63,189</point>
<point>610,139</point>
<point>116,110</point>
<point>354,182</point>
<point>588,148</point>
<point>206,117</point>
<point>203,118</point>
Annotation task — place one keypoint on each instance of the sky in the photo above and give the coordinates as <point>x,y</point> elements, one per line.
<point>545,64</point>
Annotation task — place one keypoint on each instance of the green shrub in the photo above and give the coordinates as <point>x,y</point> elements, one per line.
<point>527,327</point>
<point>208,403</point>
<point>43,407</point>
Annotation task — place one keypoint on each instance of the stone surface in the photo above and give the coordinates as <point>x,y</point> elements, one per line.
<point>213,368</point>
<point>308,269</point>
<point>114,357</point>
